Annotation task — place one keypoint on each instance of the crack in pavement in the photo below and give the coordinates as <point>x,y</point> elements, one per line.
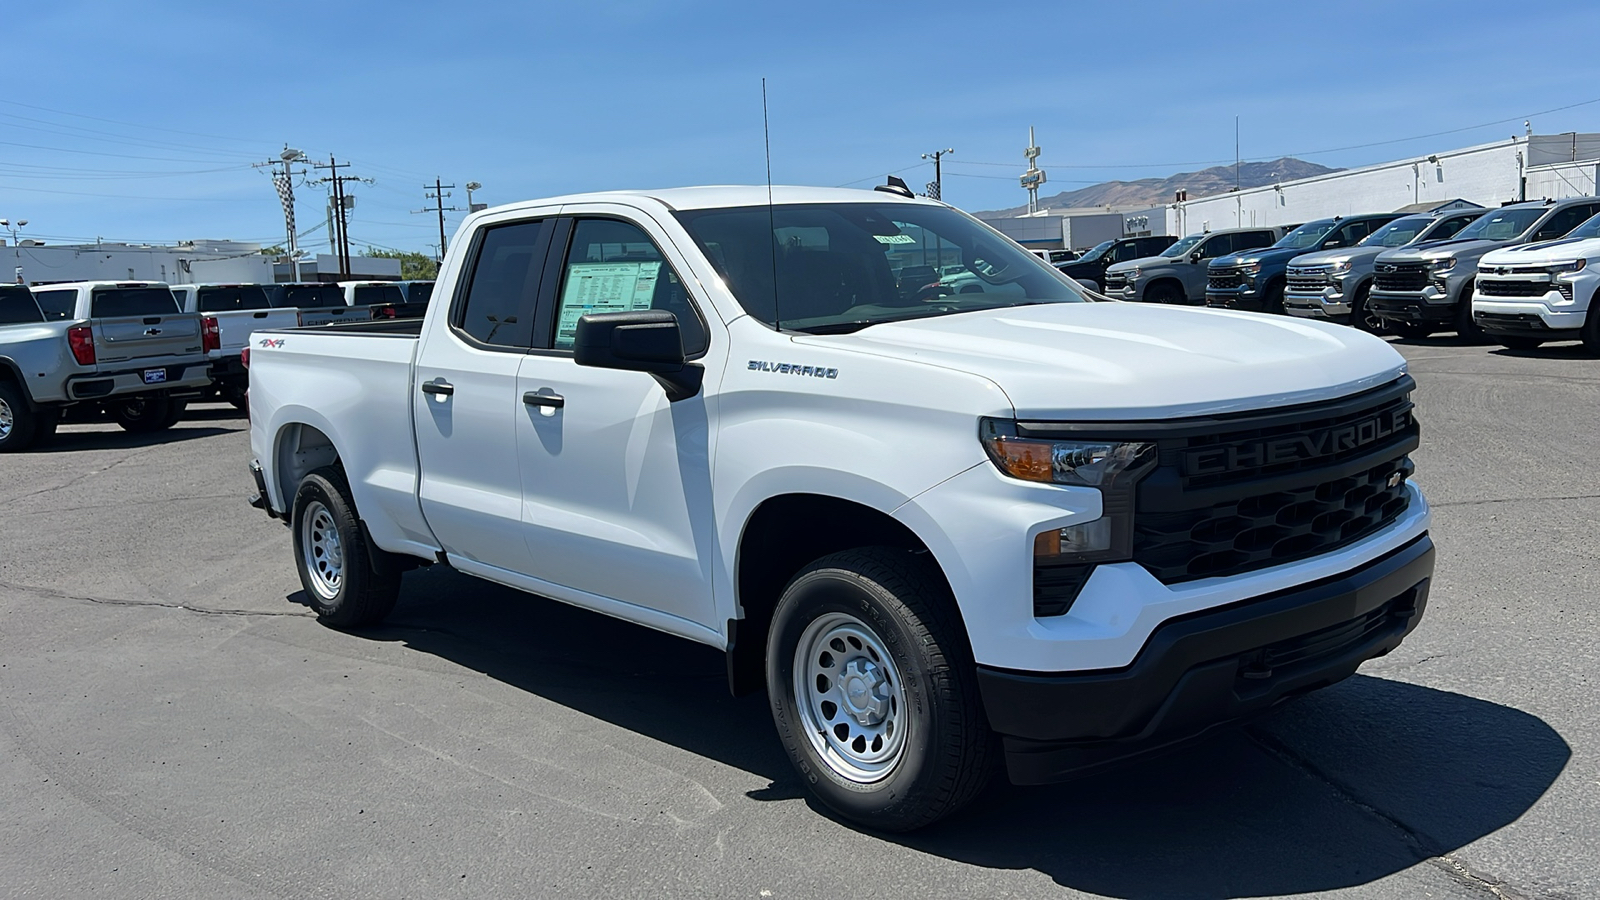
<point>90,474</point>
<point>1513,500</point>
<point>109,601</point>
<point>1427,849</point>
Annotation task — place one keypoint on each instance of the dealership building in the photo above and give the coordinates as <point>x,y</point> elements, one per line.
<point>187,262</point>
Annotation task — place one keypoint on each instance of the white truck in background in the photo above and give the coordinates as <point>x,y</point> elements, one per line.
<point>120,345</point>
<point>1536,293</point>
<point>238,310</point>
<point>937,529</point>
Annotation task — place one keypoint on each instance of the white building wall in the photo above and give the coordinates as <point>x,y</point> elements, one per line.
<point>1557,166</point>
<point>227,262</point>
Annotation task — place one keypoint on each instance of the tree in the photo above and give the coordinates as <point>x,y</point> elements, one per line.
<point>413,266</point>
<point>274,250</point>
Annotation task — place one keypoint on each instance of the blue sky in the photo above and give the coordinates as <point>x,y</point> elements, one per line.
<point>139,121</point>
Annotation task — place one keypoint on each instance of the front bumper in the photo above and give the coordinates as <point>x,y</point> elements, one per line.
<point>1424,307</point>
<point>1544,316</point>
<point>1245,297</point>
<point>1208,669</point>
<point>1329,303</point>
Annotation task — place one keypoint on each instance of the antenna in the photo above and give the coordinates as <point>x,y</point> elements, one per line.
<point>772,237</point>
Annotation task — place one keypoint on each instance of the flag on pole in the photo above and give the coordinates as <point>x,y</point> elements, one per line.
<point>286,195</point>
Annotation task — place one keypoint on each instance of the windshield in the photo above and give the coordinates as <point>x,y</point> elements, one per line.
<point>307,296</point>
<point>231,299</point>
<point>1095,252</point>
<point>112,303</point>
<point>1501,225</point>
<point>1306,236</point>
<point>1397,233</point>
<point>841,267</point>
<point>1590,228</point>
<point>1183,246</point>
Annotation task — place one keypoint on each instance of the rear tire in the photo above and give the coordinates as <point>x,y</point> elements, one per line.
<point>332,556</point>
<point>1466,328</point>
<point>19,425</point>
<point>146,413</point>
<point>874,692</point>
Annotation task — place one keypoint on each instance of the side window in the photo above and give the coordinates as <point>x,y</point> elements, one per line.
<point>17,307</point>
<point>1250,240</point>
<point>1449,227</point>
<point>1563,222</point>
<point>1217,245</point>
<point>613,266</point>
<point>57,304</point>
<point>498,306</point>
<point>1355,231</point>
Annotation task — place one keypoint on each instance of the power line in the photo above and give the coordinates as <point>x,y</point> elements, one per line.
<point>437,197</point>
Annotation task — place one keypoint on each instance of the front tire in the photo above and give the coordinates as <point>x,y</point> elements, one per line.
<point>332,556</point>
<point>1363,318</point>
<point>1466,328</point>
<point>1163,293</point>
<point>874,692</point>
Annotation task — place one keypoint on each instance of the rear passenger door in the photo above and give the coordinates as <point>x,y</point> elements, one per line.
<point>465,397</point>
<point>615,478</point>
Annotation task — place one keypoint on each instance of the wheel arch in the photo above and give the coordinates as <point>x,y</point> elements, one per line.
<point>299,449</point>
<point>11,373</point>
<point>1171,281</point>
<point>782,535</point>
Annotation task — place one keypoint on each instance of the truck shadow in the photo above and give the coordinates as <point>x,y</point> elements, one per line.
<point>111,437</point>
<point>1344,787</point>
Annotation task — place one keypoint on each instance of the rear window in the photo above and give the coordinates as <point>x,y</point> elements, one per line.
<point>113,303</point>
<point>232,299</point>
<point>376,293</point>
<point>57,304</point>
<point>419,291</point>
<point>17,306</point>
<point>307,296</point>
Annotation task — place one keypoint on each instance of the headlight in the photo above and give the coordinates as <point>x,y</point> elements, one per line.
<point>1133,274</point>
<point>1567,268</point>
<point>1251,268</point>
<point>1086,463</point>
<point>1441,265</point>
<point>1339,268</point>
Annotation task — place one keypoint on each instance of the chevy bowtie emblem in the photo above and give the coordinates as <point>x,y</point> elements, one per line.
<point>152,331</point>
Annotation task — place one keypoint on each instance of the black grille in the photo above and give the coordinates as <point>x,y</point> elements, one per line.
<point>1116,282</point>
<point>1263,530</point>
<point>1308,284</point>
<point>1400,277</point>
<point>1330,641</point>
<point>1240,493</point>
<point>1522,288</point>
<point>1223,281</point>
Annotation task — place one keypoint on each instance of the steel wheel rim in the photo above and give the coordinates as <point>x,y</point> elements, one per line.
<point>322,552</point>
<point>7,420</point>
<point>850,697</point>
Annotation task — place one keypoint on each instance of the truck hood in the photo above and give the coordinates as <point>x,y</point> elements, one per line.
<point>1264,255</point>
<point>1142,262</point>
<point>1327,257</point>
<point>1121,361</point>
<point>1543,252</point>
<point>1442,250</point>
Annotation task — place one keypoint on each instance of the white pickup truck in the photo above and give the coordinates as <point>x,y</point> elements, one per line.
<point>939,530</point>
<point>238,311</point>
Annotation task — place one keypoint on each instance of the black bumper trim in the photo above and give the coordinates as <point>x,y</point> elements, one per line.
<point>1410,309</point>
<point>1207,669</point>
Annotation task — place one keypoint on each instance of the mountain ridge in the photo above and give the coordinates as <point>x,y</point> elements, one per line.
<point>1150,192</point>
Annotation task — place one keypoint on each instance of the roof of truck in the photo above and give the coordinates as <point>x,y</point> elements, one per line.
<point>727,195</point>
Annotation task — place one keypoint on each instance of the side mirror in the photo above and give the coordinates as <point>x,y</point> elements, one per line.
<point>1194,257</point>
<point>647,340</point>
<point>1330,245</point>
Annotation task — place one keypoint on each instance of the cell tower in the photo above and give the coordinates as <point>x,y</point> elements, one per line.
<point>1034,177</point>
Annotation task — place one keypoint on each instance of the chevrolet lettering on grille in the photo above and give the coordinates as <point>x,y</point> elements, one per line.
<point>1296,448</point>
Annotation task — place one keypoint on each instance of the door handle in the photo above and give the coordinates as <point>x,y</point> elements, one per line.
<point>443,388</point>
<point>259,315</point>
<point>554,401</point>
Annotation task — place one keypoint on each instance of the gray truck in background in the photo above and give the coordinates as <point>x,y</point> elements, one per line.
<point>121,346</point>
<point>1418,290</point>
<point>1178,273</point>
<point>1334,284</point>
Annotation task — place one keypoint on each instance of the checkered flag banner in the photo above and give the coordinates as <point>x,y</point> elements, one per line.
<point>286,195</point>
<point>933,190</point>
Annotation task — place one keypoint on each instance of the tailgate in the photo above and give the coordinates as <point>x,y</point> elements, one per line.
<point>327,315</point>
<point>158,338</point>
<point>235,328</point>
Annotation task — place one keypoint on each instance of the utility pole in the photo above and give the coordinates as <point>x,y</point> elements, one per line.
<point>342,202</point>
<point>283,180</point>
<point>936,186</point>
<point>437,196</point>
<point>1033,178</point>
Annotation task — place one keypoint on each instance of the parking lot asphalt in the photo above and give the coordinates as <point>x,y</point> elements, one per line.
<point>173,723</point>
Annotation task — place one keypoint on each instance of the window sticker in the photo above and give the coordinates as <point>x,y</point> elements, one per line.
<point>602,288</point>
<point>895,239</point>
